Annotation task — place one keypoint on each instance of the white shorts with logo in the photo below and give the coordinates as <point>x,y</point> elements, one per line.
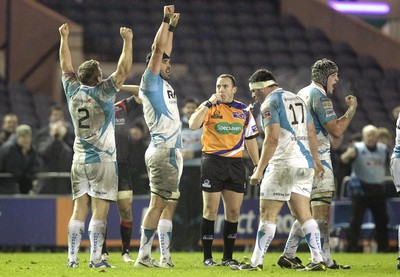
<point>326,184</point>
<point>98,180</point>
<point>280,183</point>
<point>164,168</point>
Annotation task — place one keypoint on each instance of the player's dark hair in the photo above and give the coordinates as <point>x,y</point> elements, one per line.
<point>261,75</point>
<point>230,77</point>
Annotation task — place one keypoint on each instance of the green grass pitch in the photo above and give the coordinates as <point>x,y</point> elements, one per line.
<point>188,264</point>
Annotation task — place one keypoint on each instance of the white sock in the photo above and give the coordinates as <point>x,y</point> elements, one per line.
<point>146,241</point>
<point>97,234</point>
<point>326,249</point>
<point>265,234</point>
<point>75,231</point>
<point>164,237</point>
<point>296,235</point>
<point>313,238</point>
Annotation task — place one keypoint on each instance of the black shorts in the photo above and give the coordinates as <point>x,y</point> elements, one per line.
<point>221,173</point>
<point>124,177</point>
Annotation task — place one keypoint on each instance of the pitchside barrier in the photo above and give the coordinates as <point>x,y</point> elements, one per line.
<point>41,220</point>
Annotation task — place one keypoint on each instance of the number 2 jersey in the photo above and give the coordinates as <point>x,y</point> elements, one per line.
<point>92,113</point>
<point>290,111</point>
<point>225,127</point>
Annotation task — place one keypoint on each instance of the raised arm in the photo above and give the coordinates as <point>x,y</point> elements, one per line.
<point>338,126</point>
<point>65,53</point>
<point>125,60</point>
<point>134,89</point>
<point>172,24</point>
<point>160,41</point>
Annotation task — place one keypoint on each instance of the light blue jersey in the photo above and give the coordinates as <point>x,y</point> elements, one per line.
<point>290,111</point>
<point>321,109</point>
<point>395,159</point>
<point>396,150</point>
<point>92,113</point>
<point>160,109</point>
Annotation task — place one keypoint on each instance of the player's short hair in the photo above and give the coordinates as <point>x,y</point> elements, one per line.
<point>321,70</point>
<point>230,77</point>
<point>262,75</point>
<point>88,72</point>
<point>148,57</point>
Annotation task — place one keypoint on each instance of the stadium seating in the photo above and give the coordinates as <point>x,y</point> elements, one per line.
<point>216,37</point>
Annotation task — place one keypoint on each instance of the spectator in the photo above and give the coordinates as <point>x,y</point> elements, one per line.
<point>188,214</point>
<point>19,158</point>
<point>369,161</point>
<point>10,123</point>
<point>54,144</point>
<point>385,136</point>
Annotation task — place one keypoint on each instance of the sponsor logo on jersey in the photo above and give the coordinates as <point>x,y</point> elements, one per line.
<point>266,114</point>
<point>119,121</point>
<point>225,128</point>
<point>216,115</point>
<point>238,115</point>
<point>297,138</point>
<point>326,103</point>
<point>171,94</point>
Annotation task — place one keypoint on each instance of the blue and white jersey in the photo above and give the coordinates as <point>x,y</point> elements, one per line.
<point>92,113</point>
<point>290,111</point>
<point>321,109</point>
<point>396,150</point>
<point>161,112</point>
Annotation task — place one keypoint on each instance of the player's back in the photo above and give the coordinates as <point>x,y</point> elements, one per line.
<point>290,111</point>
<point>92,113</point>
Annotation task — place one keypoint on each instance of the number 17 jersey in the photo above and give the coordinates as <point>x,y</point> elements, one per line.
<point>92,113</point>
<point>291,113</point>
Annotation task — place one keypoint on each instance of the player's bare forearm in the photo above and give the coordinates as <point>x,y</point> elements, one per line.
<point>252,149</point>
<point>134,89</point>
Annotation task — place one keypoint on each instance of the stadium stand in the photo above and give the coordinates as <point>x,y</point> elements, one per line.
<point>235,37</point>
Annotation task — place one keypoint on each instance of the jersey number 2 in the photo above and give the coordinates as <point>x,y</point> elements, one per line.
<point>83,118</point>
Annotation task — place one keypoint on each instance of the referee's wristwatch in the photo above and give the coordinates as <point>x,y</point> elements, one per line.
<point>208,104</point>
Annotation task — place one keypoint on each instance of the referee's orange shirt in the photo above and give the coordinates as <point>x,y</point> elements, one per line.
<point>225,127</point>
